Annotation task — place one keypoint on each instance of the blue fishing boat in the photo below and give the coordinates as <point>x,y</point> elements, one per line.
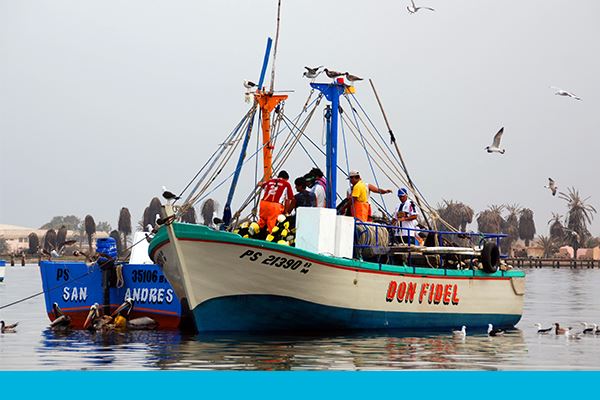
<point>73,287</point>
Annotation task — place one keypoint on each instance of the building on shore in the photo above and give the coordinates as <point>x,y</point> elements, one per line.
<point>17,237</point>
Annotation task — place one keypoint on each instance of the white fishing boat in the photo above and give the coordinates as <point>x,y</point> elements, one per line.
<point>333,278</point>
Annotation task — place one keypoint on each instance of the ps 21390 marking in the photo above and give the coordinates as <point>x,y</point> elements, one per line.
<point>277,261</point>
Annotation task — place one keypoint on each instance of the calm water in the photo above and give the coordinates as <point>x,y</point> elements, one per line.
<point>565,296</point>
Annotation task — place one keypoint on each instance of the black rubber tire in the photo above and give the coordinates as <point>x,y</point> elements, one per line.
<point>490,257</point>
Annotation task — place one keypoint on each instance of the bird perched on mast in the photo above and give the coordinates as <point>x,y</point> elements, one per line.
<point>352,78</point>
<point>333,74</point>
<point>249,84</point>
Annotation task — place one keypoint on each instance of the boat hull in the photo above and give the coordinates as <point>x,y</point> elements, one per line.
<point>75,287</point>
<point>236,284</point>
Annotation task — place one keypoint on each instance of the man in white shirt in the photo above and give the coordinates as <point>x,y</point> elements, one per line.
<point>317,183</point>
<point>405,216</point>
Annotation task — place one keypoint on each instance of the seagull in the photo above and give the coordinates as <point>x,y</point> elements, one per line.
<point>333,74</point>
<point>413,8</point>
<point>495,147</point>
<point>589,330</point>
<point>560,331</point>
<point>494,332</point>
<point>542,331</point>
<point>249,84</point>
<point>569,334</point>
<point>312,73</point>
<point>352,78</point>
<point>552,186</point>
<point>8,328</point>
<point>460,334</point>
<point>560,92</point>
<point>168,195</point>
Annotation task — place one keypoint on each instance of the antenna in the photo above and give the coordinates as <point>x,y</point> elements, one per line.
<point>275,48</point>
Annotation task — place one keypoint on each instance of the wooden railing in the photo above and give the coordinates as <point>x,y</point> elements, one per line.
<point>552,263</point>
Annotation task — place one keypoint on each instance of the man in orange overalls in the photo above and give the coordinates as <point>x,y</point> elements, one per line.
<point>360,197</point>
<point>277,196</point>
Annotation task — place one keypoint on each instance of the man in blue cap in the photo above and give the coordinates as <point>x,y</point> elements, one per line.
<point>405,216</point>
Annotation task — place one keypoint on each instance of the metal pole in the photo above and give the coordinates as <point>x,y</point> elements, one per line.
<point>393,139</point>
<point>275,49</point>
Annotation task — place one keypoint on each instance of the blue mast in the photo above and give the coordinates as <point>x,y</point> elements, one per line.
<point>332,92</point>
<point>238,168</point>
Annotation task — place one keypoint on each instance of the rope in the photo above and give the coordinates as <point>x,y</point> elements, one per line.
<point>120,280</point>
<point>90,270</point>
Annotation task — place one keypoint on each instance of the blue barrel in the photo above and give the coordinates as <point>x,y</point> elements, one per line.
<point>107,246</point>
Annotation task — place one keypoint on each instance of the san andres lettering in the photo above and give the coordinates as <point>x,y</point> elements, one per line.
<point>150,295</point>
<point>432,293</point>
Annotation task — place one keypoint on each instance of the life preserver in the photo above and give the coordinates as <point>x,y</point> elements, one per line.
<point>490,257</point>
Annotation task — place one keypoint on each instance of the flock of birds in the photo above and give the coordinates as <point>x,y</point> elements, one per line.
<point>588,329</point>
<point>95,322</point>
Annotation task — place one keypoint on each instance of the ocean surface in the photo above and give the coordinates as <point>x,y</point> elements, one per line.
<point>566,296</point>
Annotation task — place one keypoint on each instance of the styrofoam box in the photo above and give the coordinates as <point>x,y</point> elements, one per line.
<point>315,229</point>
<point>344,236</point>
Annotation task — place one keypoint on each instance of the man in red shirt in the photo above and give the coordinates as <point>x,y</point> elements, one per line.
<point>277,196</point>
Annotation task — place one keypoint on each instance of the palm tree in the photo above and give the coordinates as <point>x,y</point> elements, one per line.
<point>124,224</point>
<point>557,230</point>
<point>34,243</point>
<point>61,236</point>
<point>90,229</point>
<point>547,244</point>
<point>50,240</point>
<point>490,220</point>
<point>511,228</point>
<point>580,214</point>
<point>457,214</point>
<point>209,207</point>
<point>189,216</point>
<point>526,226</point>
<point>145,220</point>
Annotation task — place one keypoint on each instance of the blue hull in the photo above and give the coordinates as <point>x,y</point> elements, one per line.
<point>75,287</point>
<point>277,313</point>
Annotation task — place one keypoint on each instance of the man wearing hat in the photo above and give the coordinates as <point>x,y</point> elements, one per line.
<point>405,216</point>
<point>360,197</point>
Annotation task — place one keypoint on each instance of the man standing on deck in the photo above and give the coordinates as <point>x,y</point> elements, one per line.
<point>405,216</point>
<point>318,185</point>
<point>360,197</point>
<point>277,197</point>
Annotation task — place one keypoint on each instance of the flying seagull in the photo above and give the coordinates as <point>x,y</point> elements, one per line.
<point>495,147</point>
<point>494,332</point>
<point>352,78</point>
<point>333,74</point>
<point>552,186</point>
<point>560,92</point>
<point>169,195</point>
<point>249,84</point>
<point>312,73</point>
<point>413,8</point>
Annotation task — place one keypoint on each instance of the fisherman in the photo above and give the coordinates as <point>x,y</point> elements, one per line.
<point>303,197</point>
<point>344,207</point>
<point>276,199</point>
<point>318,185</point>
<point>405,216</point>
<point>360,197</point>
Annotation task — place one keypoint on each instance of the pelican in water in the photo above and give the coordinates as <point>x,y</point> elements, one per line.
<point>4,328</point>
<point>95,322</point>
<point>121,315</point>
<point>61,321</point>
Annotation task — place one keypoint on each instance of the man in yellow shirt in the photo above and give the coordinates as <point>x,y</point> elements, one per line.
<point>360,197</point>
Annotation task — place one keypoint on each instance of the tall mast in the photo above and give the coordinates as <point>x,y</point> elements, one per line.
<point>332,92</point>
<point>267,102</point>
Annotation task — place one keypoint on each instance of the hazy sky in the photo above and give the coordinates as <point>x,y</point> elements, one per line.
<point>103,102</point>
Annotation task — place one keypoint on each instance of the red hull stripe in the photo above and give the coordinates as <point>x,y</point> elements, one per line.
<point>359,270</point>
